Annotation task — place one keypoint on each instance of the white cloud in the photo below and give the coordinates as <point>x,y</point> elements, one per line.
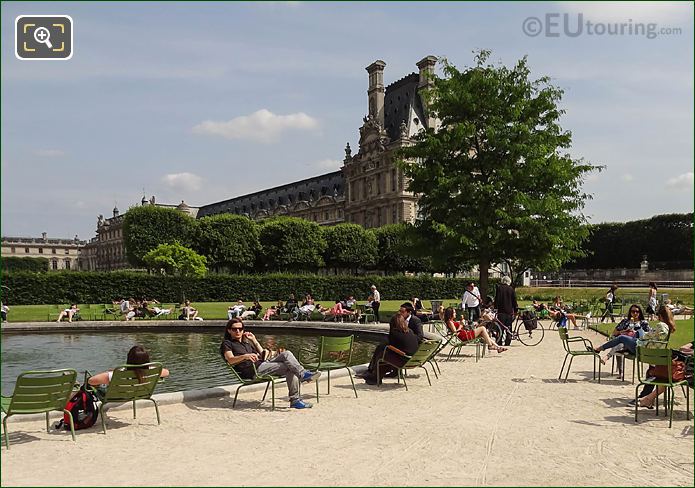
<point>627,177</point>
<point>327,164</point>
<point>183,181</point>
<point>261,126</point>
<point>680,182</point>
<point>49,153</point>
<point>661,12</point>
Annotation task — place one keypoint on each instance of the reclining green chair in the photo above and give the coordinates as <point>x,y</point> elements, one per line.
<point>418,360</point>
<point>660,357</point>
<point>269,379</point>
<point>127,385</point>
<point>334,353</point>
<point>457,344</point>
<point>586,348</point>
<point>39,392</point>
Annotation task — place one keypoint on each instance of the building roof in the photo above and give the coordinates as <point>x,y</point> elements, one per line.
<point>331,184</point>
<point>400,99</point>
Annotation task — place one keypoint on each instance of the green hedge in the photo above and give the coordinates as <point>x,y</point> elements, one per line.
<point>83,287</point>
<point>12,263</point>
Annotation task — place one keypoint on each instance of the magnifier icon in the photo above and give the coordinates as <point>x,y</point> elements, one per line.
<point>43,36</point>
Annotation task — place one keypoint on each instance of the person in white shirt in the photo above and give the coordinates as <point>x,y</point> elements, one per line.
<point>236,310</point>
<point>376,302</point>
<point>127,311</point>
<point>471,301</point>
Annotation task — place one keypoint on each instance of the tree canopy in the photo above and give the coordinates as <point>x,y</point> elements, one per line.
<point>146,227</point>
<point>495,181</point>
<point>290,243</point>
<point>349,246</point>
<point>176,260</point>
<point>228,241</point>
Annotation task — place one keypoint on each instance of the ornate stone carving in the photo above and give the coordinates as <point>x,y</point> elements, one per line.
<point>403,130</point>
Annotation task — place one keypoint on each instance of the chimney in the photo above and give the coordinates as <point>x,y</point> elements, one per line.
<point>376,90</point>
<point>426,66</point>
<point>43,236</point>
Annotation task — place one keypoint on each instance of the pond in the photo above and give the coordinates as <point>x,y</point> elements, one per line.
<point>193,358</point>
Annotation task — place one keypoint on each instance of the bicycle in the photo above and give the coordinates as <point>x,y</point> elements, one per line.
<point>521,332</point>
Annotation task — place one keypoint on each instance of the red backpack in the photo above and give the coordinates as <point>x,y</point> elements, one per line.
<point>83,407</point>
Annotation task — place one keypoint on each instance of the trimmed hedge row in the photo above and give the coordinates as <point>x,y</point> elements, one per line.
<point>13,263</point>
<point>82,287</point>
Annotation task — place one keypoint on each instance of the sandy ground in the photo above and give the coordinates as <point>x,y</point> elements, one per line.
<point>503,421</point>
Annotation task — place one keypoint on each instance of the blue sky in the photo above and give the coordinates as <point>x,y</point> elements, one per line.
<point>206,101</point>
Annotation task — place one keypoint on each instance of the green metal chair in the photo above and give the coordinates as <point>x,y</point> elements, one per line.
<point>586,349</point>
<point>269,379</point>
<point>449,339</point>
<point>54,311</point>
<point>127,386</point>
<point>111,310</point>
<point>660,357</point>
<point>366,313</point>
<point>39,392</point>
<point>334,353</point>
<point>418,360</point>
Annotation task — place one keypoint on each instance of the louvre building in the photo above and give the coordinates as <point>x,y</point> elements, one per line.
<point>369,189</point>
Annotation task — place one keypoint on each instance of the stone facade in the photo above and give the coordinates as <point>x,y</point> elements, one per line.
<point>61,253</point>
<point>369,189</point>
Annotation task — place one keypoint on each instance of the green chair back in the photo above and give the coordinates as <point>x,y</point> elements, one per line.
<point>563,337</point>
<point>41,391</point>
<point>133,382</point>
<point>335,352</point>
<point>423,354</point>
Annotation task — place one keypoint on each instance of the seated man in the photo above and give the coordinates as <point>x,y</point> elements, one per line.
<point>414,323</point>
<point>188,312</point>
<point>236,310</point>
<point>242,350</point>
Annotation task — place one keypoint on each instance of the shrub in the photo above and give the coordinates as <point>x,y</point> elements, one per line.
<point>37,265</point>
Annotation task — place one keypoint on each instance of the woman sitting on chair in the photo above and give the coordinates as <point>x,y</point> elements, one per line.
<point>136,355</point>
<point>468,335</point>
<point>400,338</point>
<point>626,334</point>
<point>558,314</point>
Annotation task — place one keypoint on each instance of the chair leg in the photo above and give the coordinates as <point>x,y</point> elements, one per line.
<point>317,390</point>
<point>265,393</point>
<point>237,394</point>
<point>134,412</point>
<point>378,373</point>
<point>670,419</point>
<point>351,381</point>
<point>434,370</point>
<point>401,375</point>
<point>428,375</point>
<point>563,367</point>
<point>272,394</point>
<point>71,421</point>
<point>47,427</point>
<point>7,437</point>
<point>569,366</point>
<point>328,391</point>
<point>103,421</point>
<point>636,401</point>
<point>156,409</point>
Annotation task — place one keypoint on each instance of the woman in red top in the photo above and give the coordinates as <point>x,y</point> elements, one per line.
<point>469,335</point>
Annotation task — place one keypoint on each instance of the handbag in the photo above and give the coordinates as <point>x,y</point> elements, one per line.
<point>660,372</point>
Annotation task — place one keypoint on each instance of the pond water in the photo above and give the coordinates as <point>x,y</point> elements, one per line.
<point>193,358</point>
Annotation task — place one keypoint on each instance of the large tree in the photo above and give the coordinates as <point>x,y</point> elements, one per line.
<point>144,228</point>
<point>175,259</point>
<point>399,249</point>
<point>349,246</point>
<point>291,244</point>
<point>228,241</point>
<point>495,178</point>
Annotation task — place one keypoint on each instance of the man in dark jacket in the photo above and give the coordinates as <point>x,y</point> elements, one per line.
<point>506,305</point>
<point>415,324</point>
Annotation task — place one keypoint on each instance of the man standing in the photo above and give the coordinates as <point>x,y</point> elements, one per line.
<point>243,351</point>
<point>471,301</point>
<point>506,305</point>
<point>376,302</point>
<point>414,323</point>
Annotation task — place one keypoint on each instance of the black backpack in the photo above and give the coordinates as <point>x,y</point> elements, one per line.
<point>83,407</point>
<point>529,319</point>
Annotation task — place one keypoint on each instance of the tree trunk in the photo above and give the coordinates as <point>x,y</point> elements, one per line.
<point>484,267</point>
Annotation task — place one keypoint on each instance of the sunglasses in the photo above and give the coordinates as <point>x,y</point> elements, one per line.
<point>634,311</point>
<point>237,328</point>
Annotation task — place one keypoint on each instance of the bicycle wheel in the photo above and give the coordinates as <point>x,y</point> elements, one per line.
<point>529,337</point>
<point>495,331</point>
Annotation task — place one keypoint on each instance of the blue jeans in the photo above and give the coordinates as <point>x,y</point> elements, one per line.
<point>629,343</point>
